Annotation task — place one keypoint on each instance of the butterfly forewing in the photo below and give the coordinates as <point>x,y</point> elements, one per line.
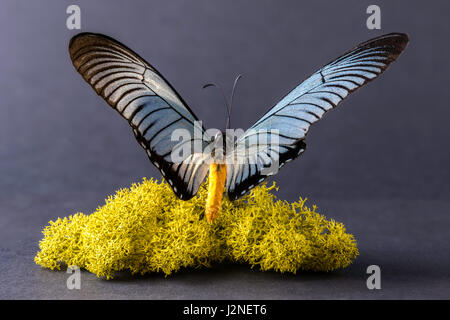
<point>290,119</point>
<point>148,102</point>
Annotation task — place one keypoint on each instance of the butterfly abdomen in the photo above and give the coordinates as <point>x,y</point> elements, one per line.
<point>217,178</point>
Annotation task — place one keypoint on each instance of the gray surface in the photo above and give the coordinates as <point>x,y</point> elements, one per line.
<point>379,164</point>
<point>412,253</point>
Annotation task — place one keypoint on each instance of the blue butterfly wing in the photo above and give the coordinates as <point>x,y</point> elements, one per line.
<point>148,102</point>
<point>278,137</point>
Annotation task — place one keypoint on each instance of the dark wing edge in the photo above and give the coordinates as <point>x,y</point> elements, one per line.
<point>306,104</point>
<point>142,96</point>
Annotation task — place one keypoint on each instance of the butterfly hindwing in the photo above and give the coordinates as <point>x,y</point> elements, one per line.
<point>288,122</point>
<point>243,174</point>
<point>147,101</point>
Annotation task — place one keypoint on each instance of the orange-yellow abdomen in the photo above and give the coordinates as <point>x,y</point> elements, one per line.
<point>217,178</point>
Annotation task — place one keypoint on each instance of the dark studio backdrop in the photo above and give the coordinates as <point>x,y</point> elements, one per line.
<point>379,163</point>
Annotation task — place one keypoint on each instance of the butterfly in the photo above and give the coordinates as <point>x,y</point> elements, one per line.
<point>154,110</point>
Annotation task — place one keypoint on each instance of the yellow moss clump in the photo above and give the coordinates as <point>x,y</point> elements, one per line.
<point>147,229</point>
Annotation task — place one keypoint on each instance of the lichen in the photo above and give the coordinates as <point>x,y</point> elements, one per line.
<point>147,229</point>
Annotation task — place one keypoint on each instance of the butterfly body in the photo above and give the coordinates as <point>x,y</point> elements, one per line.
<point>217,179</point>
<point>155,111</point>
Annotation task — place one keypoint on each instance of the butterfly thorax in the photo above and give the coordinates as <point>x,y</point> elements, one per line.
<point>221,146</point>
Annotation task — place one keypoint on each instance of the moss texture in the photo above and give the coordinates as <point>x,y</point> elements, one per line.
<point>147,229</point>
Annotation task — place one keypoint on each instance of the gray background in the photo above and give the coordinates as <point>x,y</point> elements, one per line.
<point>380,164</point>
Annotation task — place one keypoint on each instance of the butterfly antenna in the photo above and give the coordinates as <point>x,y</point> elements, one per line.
<point>223,95</point>
<point>231,100</point>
